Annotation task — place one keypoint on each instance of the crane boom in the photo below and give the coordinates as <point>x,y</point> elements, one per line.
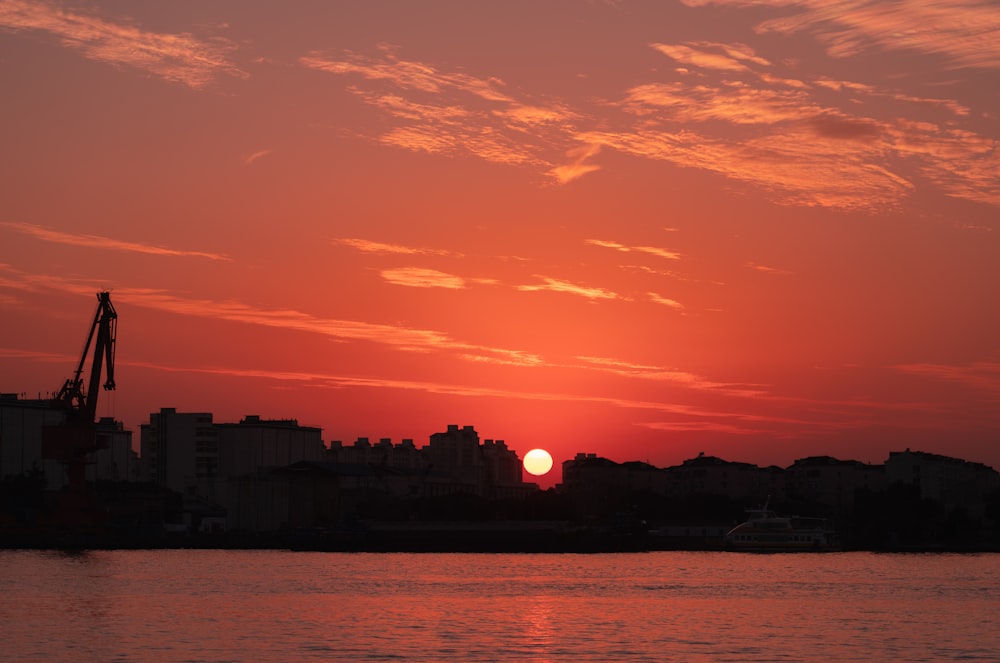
<point>81,404</point>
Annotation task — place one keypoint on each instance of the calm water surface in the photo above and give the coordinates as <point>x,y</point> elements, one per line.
<point>283,606</point>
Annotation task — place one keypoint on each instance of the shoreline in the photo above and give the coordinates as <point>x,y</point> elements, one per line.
<point>471,537</point>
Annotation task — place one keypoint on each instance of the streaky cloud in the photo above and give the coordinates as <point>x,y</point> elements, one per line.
<point>687,55</point>
<point>178,58</point>
<point>578,167</point>
<point>659,373</point>
<point>259,154</point>
<point>407,74</point>
<point>334,381</point>
<point>453,113</point>
<point>652,250</point>
<point>966,32</point>
<point>981,376</point>
<point>665,301</point>
<point>700,427</point>
<point>401,337</point>
<point>794,166</point>
<point>804,141</point>
<point>370,246</point>
<point>556,285</point>
<point>99,242</point>
<point>419,277</point>
<point>20,353</point>
<point>768,270</point>
<point>396,336</point>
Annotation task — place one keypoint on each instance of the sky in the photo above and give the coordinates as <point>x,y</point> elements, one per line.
<point>758,229</point>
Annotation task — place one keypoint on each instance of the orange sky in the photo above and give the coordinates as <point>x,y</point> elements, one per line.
<point>759,229</point>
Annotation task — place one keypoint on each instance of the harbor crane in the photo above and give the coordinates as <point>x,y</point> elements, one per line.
<point>72,440</point>
<point>83,404</point>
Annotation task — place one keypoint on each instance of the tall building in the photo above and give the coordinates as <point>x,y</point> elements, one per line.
<point>502,464</point>
<point>456,453</point>
<point>180,451</point>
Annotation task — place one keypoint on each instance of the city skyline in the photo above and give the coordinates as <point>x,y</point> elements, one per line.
<point>760,230</point>
<point>546,478</point>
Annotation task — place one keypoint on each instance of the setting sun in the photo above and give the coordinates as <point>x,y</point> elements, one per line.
<point>537,462</point>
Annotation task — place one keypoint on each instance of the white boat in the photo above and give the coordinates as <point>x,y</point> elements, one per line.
<point>765,531</point>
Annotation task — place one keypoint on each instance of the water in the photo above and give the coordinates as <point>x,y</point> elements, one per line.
<point>177,605</point>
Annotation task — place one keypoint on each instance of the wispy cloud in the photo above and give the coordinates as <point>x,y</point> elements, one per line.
<point>369,246</point>
<point>556,285</point>
<point>408,75</point>
<point>805,140</point>
<point>454,112</point>
<point>419,277</point>
<point>259,154</point>
<point>981,376</point>
<point>966,32</point>
<point>672,303</point>
<point>735,102</point>
<point>660,373</point>
<point>652,250</point>
<point>179,58</point>
<point>768,270</point>
<point>578,166</point>
<point>20,353</point>
<point>701,426</point>
<point>709,415</point>
<point>730,416</point>
<point>962,163</point>
<point>644,371</point>
<point>795,166</point>
<point>802,147</point>
<point>723,57</point>
<point>399,337</point>
<point>99,242</point>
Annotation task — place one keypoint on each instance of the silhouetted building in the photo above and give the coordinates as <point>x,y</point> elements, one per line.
<point>597,477</point>
<point>452,462</point>
<point>310,494</point>
<point>710,475</point>
<point>180,451</point>
<point>832,483</point>
<point>403,455</point>
<point>21,424</point>
<point>254,444</point>
<point>358,453</point>
<point>644,478</point>
<point>456,453</point>
<point>117,460</point>
<point>502,464</point>
<point>588,472</point>
<point>950,481</point>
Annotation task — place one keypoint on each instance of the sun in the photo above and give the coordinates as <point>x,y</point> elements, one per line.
<point>537,462</point>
